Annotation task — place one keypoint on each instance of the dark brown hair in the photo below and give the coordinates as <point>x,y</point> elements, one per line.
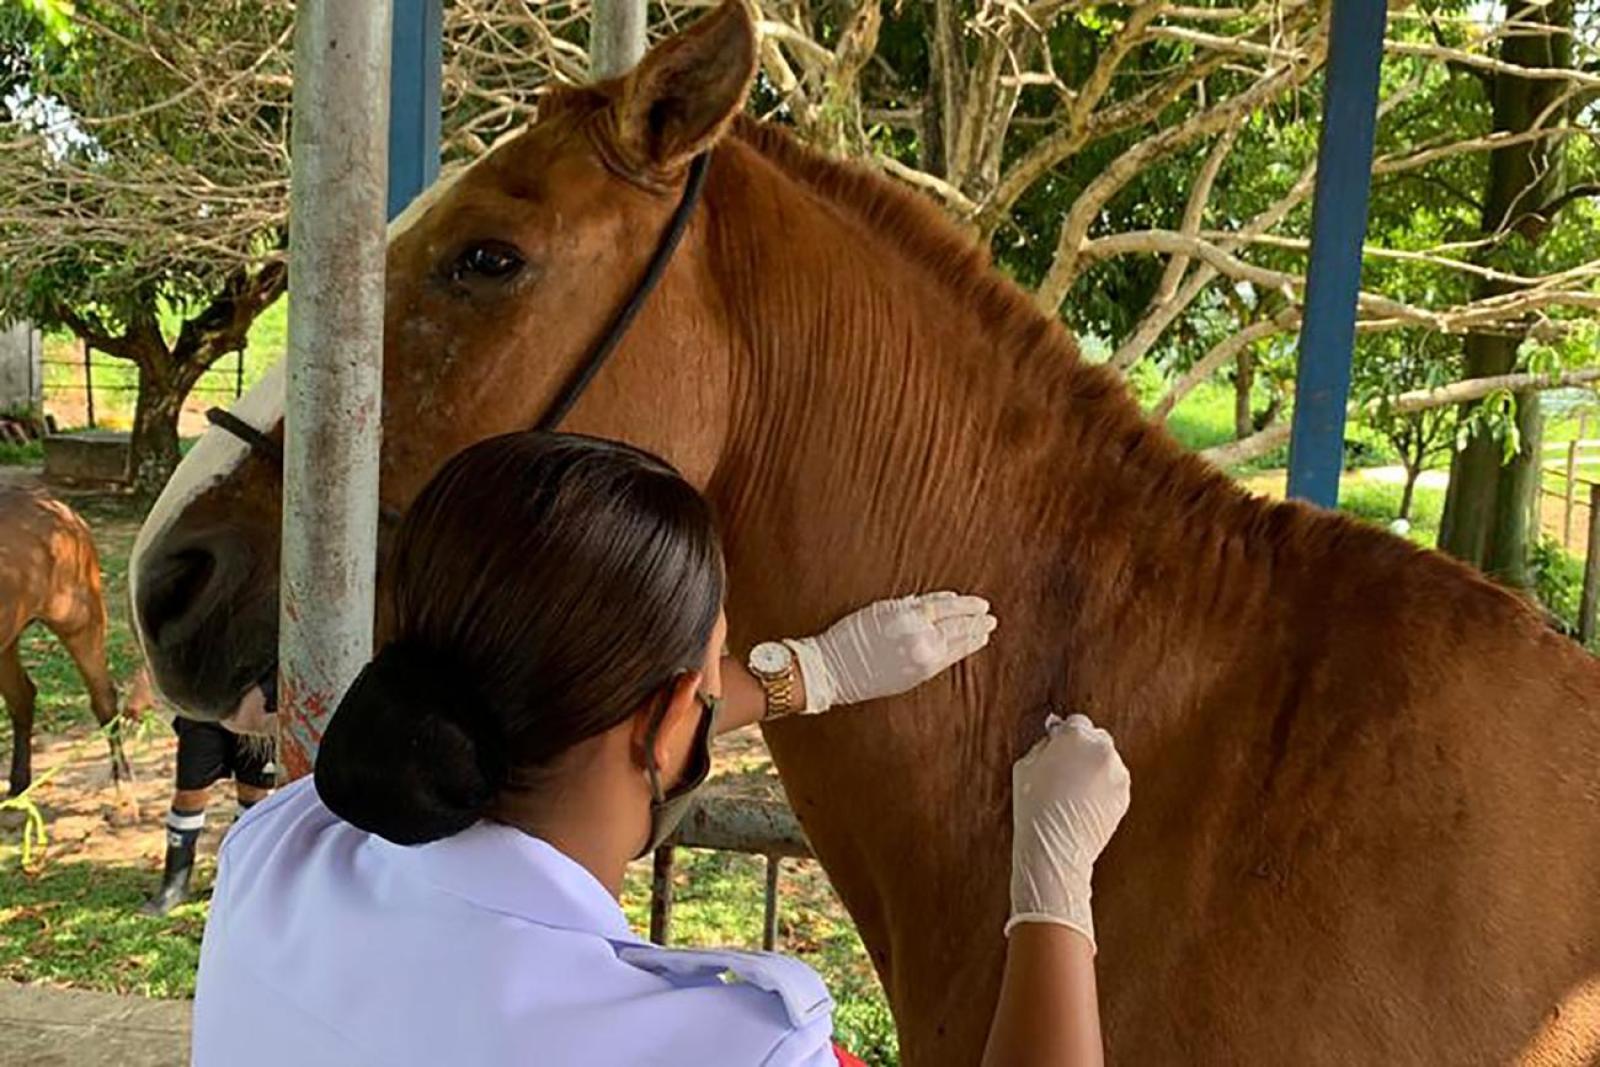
<point>544,586</point>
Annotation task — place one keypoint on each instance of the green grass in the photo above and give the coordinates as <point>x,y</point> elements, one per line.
<point>1204,419</point>
<point>718,900</point>
<point>268,341</point>
<point>78,924</point>
<point>28,455</point>
<point>1379,503</point>
<point>1557,581</point>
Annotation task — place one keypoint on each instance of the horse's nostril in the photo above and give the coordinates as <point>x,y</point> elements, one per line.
<point>176,591</point>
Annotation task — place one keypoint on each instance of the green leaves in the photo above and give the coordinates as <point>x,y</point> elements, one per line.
<point>55,16</point>
<point>1495,415</point>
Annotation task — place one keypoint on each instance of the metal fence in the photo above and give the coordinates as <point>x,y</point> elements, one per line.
<point>225,378</point>
<point>754,827</point>
<point>1561,475</point>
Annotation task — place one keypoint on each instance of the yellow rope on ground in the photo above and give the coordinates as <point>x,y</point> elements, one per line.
<point>35,832</point>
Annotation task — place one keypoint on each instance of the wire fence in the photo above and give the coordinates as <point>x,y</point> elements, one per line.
<point>1573,481</point>
<point>89,379</point>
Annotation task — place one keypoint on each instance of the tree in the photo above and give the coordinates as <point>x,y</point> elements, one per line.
<point>1140,166</point>
<point>1396,363</point>
<point>1525,191</point>
<point>1145,169</point>
<point>143,186</point>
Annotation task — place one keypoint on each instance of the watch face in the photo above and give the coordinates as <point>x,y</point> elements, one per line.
<point>770,657</point>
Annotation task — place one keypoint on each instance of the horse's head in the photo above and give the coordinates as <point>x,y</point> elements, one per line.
<point>501,279</point>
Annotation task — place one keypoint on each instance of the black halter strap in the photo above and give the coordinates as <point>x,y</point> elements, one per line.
<point>671,238</point>
<point>259,442</point>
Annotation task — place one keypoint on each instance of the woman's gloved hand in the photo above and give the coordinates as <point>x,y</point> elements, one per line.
<point>1067,796</point>
<point>890,647</point>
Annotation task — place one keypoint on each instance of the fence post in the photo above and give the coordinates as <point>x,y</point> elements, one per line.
<point>238,374</point>
<point>88,381</point>
<point>1572,470</point>
<point>1591,570</point>
<point>769,921</point>
<point>616,37</point>
<point>333,397</point>
<point>661,896</point>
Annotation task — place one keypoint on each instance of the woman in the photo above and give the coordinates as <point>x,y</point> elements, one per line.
<point>445,891</point>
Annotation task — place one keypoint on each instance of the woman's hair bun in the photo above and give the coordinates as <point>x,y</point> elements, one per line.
<point>410,754</point>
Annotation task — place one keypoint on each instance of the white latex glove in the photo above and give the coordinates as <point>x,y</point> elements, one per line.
<point>890,647</point>
<point>1067,796</point>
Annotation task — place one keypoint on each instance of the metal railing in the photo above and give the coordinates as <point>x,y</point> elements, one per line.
<point>754,827</point>
<point>232,375</point>
<point>1576,491</point>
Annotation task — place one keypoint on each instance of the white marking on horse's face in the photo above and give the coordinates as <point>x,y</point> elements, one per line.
<point>212,460</point>
<point>217,455</point>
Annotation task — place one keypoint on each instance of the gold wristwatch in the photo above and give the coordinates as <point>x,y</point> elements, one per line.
<point>773,665</point>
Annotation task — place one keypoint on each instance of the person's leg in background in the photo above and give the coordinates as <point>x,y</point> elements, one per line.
<point>203,757</point>
<point>254,771</point>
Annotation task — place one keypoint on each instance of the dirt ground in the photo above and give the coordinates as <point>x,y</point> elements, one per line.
<point>1552,516</point>
<point>90,818</point>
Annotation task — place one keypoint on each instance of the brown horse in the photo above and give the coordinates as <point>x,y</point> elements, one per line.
<point>1366,817</point>
<point>50,573</point>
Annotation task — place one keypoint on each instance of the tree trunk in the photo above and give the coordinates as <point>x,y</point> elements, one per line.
<point>1515,521</point>
<point>154,448</point>
<point>1476,470</point>
<point>1244,380</point>
<point>1485,520</point>
<point>1409,493</point>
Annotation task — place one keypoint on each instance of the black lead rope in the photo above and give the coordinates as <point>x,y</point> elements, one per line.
<point>692,190</point>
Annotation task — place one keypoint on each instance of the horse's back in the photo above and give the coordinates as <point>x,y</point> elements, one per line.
<point>1412,878</point>
<point>49,568</point>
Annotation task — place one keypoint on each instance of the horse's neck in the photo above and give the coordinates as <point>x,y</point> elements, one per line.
<point>894,433</point>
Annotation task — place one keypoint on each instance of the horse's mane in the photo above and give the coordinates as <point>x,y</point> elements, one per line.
<point>920,230</point>
<point>916,225</point>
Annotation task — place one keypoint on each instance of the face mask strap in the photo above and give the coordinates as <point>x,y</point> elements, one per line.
<point>652,773</point>
<point>710,710</point>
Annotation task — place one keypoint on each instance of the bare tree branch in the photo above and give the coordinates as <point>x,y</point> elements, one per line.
<point>1259,444</point>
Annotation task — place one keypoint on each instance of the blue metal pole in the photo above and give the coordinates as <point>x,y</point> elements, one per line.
<point>1338,229</point>
<point>414,75</point>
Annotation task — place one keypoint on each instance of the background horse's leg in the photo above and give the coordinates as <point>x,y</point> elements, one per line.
<point>18,691</point>
<point>87,646</point>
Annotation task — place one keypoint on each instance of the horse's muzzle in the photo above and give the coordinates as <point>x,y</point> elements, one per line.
<point>208,614</point>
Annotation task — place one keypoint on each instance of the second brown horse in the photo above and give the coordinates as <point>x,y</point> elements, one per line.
<point>50,574</point>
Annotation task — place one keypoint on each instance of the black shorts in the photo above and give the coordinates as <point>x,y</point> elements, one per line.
<point>208,753</point>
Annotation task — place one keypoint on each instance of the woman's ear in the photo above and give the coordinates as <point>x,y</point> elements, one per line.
<point>682,95</point>
<point>673,739</point>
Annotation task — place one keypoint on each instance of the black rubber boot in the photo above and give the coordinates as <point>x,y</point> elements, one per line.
<point>179,866</point>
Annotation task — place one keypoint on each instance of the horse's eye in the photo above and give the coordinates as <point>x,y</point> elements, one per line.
<point>487,259</point>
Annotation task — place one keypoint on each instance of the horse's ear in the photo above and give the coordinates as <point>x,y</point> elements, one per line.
<point>686,90</point>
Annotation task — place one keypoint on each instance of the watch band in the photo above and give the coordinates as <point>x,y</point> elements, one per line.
<point>779,690</point>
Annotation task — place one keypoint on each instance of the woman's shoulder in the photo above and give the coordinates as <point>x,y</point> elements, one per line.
<point>293,804</point>
<point>279,830</point>
<point>759,993</point>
